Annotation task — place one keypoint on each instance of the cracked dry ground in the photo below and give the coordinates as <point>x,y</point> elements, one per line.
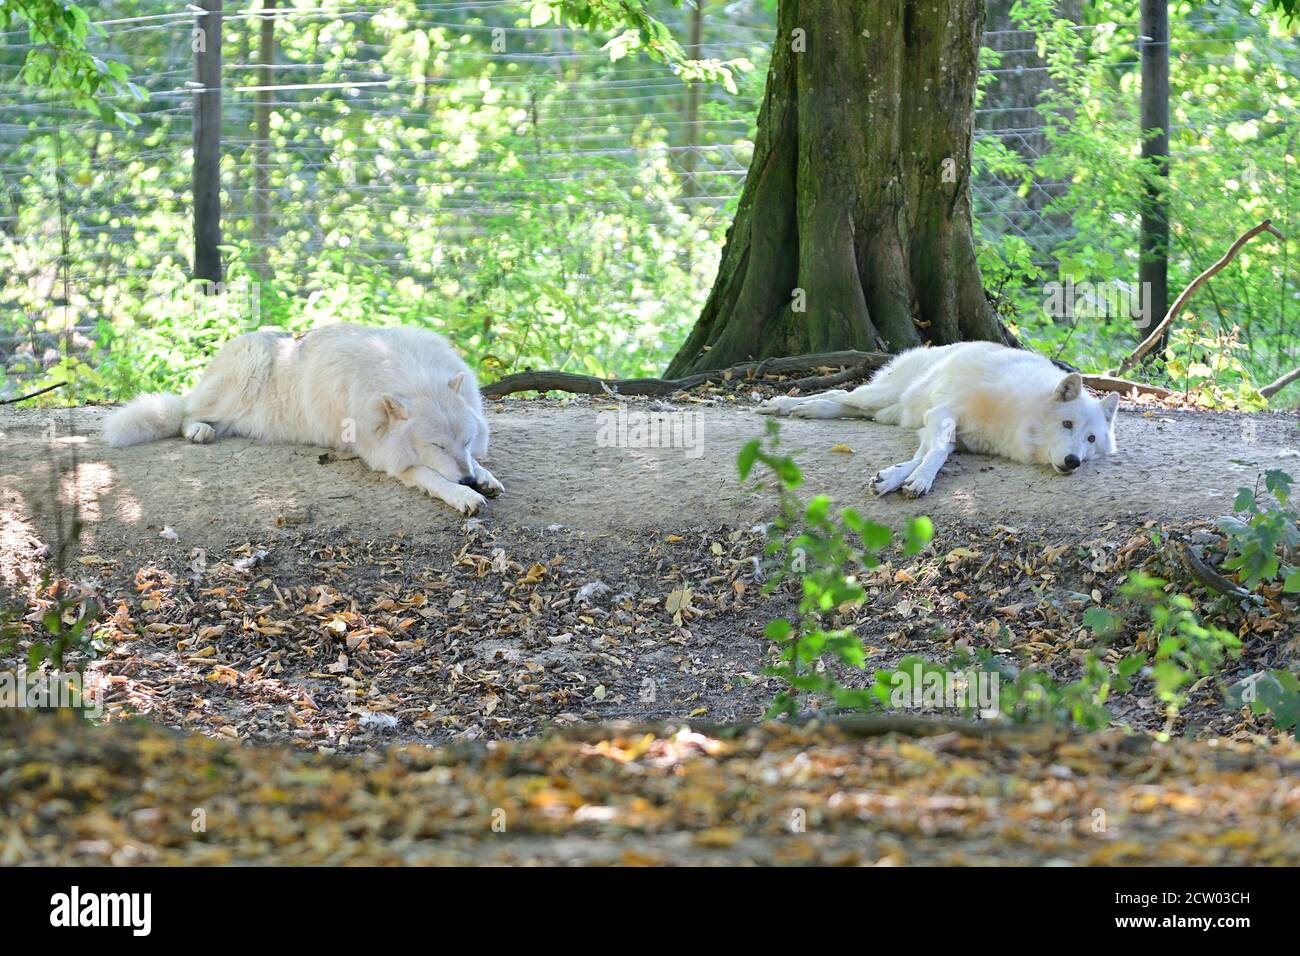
<point>323,661</point>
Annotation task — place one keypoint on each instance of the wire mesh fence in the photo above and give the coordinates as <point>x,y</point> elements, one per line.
<point>450,159</point>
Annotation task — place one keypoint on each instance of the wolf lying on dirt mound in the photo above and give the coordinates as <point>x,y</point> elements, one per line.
<point>977,396</point>
<point>400,398</point>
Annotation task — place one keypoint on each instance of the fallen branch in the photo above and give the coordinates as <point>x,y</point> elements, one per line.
<point>23,398</point>
<point>1206,575</point>
<point>1272,388</point>
<point>590,385</point>
<point>1158,332</point>
<point>1106,383</point>
<point>851,725</point>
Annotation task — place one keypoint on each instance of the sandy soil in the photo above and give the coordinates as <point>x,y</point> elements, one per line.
<point>1171,465</point>
<point>301,591</point>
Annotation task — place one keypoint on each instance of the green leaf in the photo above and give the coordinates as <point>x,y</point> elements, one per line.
<point>746,457</point>
<point>1101,622</point>
<point>778,630</point>
<point>918,533</point>
<point>876,537</point>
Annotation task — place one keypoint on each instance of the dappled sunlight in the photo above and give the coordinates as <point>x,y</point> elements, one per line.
<point>86,487</point>
<point>18,541</point>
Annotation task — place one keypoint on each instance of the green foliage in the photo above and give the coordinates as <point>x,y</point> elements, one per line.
<point>826,551</point>
<point>1262,537</point>
<point>822,551</point>
<point>1275,691</point>
<point>531,211</point>
<point>639,31</point>
<point>1185,648</point>
<point>1213,367</point>
<point>60,62</point>
<point>1233,163</point>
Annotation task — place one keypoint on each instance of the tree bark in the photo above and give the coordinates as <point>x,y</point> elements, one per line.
<point>854,227</point>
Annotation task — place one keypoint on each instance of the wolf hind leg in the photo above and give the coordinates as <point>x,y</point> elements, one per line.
<point>830,404</point>
<point>225,396</point>
<point>823,408</point>
<point>202,423</point>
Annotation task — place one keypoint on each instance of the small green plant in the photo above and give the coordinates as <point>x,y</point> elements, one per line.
<point>1212,368</point>
<point>1275,691</point>
<point>1186,649</point>
<point>823,551</point>
<point>1262,537</point>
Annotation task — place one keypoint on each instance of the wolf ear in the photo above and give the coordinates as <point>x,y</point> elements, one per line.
<point>394,408</point>
<point>1071,387</point>
<point>457,381</point>
<point>1110,405</point>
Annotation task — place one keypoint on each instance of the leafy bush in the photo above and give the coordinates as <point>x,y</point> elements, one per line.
<point>1264,540</point>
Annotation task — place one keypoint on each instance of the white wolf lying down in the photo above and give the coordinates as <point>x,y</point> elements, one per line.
<point>401,399</point>
<point>977,396</point>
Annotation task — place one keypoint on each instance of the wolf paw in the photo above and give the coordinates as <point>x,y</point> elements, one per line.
<point>465,500</point>
<point>200,432</point>
<point>916,488</point>
<point>776,406</point>
<point>892,478</point>
<point>486,484</point>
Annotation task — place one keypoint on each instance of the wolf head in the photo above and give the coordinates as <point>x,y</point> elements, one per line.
<point>1074,426</point>
<point>438,429</point>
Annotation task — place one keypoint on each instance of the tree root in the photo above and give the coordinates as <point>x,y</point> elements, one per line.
<point>859,363</point>
<point>853,365</point>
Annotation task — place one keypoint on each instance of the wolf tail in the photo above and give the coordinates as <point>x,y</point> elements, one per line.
<point>143,419</point>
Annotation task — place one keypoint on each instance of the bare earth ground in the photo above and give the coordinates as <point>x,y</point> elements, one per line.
<point>1171,464</point>
<point>308,602</point>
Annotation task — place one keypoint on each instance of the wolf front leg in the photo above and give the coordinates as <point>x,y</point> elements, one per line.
<point>938,438</point>
<point>461,497</point>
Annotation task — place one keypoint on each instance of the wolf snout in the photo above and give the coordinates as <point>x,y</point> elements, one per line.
<point>1070,464</point>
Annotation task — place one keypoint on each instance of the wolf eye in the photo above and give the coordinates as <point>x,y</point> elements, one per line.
<point>1068,424</point>
<point>1092,438</point>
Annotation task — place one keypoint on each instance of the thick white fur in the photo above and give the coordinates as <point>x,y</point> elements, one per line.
<point>977,396</point>
<point>400,398</point>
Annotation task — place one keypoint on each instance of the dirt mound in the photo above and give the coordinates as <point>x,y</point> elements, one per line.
<point>559,469</point>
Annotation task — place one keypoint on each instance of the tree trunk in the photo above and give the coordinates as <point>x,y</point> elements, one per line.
<point>854,227</point>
